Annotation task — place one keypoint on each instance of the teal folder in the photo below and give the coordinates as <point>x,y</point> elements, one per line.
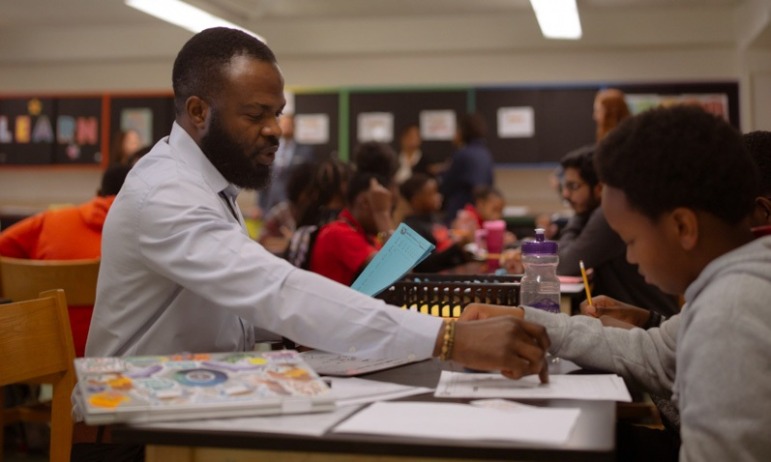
<point>403,250</point>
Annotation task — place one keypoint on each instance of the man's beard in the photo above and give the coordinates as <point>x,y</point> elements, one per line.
<point>230,159</point>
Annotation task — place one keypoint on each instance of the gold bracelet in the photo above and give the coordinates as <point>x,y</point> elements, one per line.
<point>448,341</point>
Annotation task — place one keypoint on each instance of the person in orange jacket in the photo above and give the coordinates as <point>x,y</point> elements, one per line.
<point>68,233</point>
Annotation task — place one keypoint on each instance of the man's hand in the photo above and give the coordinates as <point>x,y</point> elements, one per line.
<point>614,313</point>
<point>490,337</point>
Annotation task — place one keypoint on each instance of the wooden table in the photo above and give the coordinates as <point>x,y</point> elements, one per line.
<point>593,437</point>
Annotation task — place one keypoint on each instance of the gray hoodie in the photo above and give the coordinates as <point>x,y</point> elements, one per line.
<point>721,343</point>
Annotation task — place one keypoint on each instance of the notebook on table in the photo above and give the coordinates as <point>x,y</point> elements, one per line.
<point>195,386</point>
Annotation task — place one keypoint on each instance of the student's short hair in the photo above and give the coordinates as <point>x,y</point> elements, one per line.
<point>483,192</point>
<point>113,179</point>
<point>582,159</point>
<point>198,68</point>
<point>359,183</point>
<point>472,127</point>
<point>679,157</point>
<point>376,158</point>
<point>413,185</point>
<point>758,144</point>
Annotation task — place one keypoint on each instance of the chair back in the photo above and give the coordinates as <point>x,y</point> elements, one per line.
<point>24,279</point>
<point>36,345</point>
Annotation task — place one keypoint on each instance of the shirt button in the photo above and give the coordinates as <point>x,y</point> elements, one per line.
<point>352,350</point>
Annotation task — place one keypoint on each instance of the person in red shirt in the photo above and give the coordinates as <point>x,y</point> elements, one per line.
<point>344,247</point>
<point>69,233</point>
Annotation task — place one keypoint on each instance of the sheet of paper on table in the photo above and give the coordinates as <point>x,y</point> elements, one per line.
<point>463,421</point>
<point>606,387</point>
<point>345,366</point>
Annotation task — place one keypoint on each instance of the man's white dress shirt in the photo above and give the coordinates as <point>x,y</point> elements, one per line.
<point>180,274</point>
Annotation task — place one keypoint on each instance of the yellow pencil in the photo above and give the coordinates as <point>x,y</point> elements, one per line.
<point>586,282</point>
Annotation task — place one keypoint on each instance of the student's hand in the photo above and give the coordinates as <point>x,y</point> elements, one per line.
<point>511,261</point>
<point>476,311</point>
<point>615,313</point>
<point>379,197</point>
<point>512,345</point>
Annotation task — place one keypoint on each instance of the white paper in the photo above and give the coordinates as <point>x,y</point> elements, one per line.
<point>375,126</point>
<point>603,387</point>
<point>333,364</point>
<point>437,125</point>
<point>315,424</point>
<point>462,421</point>
<point>352,390</point>
<point>516,122</point>
<point>311,128</point>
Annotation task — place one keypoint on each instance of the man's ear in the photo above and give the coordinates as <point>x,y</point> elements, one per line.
<point>761,214</point>
<point>685,225</point>
<point>198,112</point>
<point>597,191</point>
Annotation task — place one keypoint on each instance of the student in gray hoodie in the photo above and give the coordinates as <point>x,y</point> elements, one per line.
<point>679,190</point>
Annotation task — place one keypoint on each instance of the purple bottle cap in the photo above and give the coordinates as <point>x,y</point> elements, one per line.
<point>539,246</point>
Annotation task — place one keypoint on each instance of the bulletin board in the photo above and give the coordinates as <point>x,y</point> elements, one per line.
<point>406,107</point>
<point>322,110</point>
<point>19,119</point>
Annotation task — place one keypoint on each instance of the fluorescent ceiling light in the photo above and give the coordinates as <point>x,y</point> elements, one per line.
<point>184,15</point>
<point>558,19</point>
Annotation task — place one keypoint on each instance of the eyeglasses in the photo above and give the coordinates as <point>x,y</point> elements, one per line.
<point>572,186</point>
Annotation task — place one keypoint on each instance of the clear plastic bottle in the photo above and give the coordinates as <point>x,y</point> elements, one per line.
<point>540,287</point>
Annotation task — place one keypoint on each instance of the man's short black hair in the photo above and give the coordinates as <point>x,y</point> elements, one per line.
<point>112,179</point>
<point>680,156</point>
<point>758,144</point>
<point>198,69</point>
<point>582,159</point>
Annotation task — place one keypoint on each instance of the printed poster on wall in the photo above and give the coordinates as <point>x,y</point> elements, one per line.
<point>516,122</point>
<point>140,120</point>
<point>27,130</point>
<point>375,126</point>
<point>437,125</point>
<point>78,131</point>
<point>311,128</point>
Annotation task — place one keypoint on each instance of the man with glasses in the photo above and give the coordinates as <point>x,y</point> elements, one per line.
<point>588,237</point>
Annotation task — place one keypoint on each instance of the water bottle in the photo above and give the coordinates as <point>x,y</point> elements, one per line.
<point>540,287</point>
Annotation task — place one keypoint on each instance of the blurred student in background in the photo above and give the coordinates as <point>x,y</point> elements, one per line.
<point>422,194</point>
<point>344,247</point>
<point>471,166</point>
<point>68,233</point>
<point>409,152</point>
<point>124,145</point>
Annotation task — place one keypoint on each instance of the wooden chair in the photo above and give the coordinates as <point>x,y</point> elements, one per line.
<point>24,279</point>
<point>36,347</point>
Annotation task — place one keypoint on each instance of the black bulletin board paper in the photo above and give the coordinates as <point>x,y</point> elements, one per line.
<point>562,119</point>
<point>322,103</point>
<point>406,107</point>
<point>27,131</point>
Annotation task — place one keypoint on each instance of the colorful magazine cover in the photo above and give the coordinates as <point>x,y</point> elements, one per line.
<point>194,386</point>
